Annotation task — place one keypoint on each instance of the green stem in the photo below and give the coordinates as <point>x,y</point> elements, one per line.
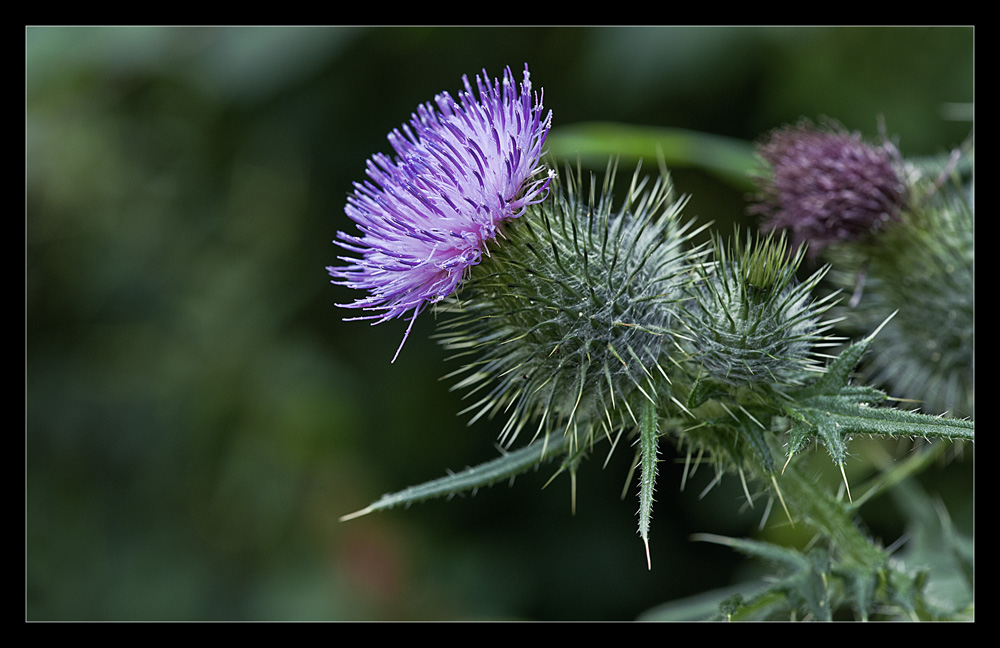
<point>831,517</point>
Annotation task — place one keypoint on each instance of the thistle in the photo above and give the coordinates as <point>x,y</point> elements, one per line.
<point>426,215</point>
<point>580,317</point>
<point>900,240</point>
<point>591,322</point>
<point>826,185</point>
<point>570,325</point>
<point>752,335</point>
<point>749,321</point>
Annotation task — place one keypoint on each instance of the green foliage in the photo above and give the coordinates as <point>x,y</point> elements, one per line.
<point>832,410</point>
<point>847,576</point>
<point>593,143</point>
<point>507,466</point>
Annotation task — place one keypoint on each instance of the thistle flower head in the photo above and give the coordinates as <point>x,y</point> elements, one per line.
<point>827,185</point>
<point>426,214</point>
<point>749,320</point>
<point>569,326</point>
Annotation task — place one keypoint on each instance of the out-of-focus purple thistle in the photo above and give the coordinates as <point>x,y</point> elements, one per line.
<point>827,185</point>
<point>426,215</point>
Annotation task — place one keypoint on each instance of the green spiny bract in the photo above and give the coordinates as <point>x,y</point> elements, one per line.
<point>749,322</point>
<point>570,321</point>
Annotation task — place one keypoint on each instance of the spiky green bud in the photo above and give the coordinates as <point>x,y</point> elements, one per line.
<point>749,321</point>
<point>572,324</point>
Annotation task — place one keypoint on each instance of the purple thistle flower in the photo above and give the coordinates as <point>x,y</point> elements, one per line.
<point>425,216</point>
<point>827,185</point>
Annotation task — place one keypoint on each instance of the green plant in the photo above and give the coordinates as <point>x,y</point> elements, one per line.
<point>589,319</point>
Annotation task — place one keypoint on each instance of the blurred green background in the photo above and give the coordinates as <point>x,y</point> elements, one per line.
<point>198,415</point>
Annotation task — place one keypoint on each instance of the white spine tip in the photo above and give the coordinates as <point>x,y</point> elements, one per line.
<point>356,514</point>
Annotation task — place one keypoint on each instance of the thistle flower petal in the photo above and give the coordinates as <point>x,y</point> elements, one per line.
<point>425,215</point>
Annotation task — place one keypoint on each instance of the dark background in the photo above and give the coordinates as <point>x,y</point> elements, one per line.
<point>198,415</point>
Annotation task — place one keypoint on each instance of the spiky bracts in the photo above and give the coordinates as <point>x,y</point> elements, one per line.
<point>748,321</point>
<point>922,269</point>
<point>572,324</point>
<point>751,332</point>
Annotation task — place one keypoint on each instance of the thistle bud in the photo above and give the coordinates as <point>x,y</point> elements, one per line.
<point>749,321</point>
<point>827,185</point>
<point>572,321</point>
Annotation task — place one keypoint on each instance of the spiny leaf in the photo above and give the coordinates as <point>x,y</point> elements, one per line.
<point>504,467</point>
<point>838,374</point>
<point>847,416</point>
<point>832,408</point>
<point>648,438</point>
<point>788,559</point>
<point>805,583</point>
